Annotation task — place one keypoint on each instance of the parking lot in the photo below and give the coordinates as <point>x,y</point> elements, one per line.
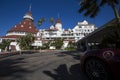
<point>42,66</point>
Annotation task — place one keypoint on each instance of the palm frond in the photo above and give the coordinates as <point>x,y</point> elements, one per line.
<point>94,12</point>
<point>103,2</point>
<point>92,7</point>
<point>51,20</point>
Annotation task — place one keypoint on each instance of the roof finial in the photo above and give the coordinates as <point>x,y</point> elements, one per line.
<point>30,7</point>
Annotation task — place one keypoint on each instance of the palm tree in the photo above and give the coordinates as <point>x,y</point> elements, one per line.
<point>92,7</point>
<point>52,23</point>
<point>58,42</point>
<point>25,42</point>
<point>5,44</point>
<point>40,22</point>
<point>52,20</point>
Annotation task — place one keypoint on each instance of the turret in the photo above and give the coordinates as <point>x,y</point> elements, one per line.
<point>58,24</point>
<point>28,15</point>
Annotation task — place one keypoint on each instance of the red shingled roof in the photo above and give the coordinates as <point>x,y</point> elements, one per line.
<point>10,36</point>
<point>25,26</point>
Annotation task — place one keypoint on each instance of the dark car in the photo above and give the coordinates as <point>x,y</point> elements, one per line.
<point>102,64</point>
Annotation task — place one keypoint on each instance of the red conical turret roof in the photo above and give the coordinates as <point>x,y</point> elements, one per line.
<point>58,21</point>
<point>26,25</point>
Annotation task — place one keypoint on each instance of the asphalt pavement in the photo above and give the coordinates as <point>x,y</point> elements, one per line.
<point>61,65</point>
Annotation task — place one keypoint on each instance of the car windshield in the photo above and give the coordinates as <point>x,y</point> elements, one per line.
<point>101,46</point>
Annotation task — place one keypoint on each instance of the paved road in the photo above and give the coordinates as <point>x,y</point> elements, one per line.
<point>42,66</point>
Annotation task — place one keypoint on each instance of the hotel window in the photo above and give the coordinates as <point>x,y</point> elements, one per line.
<point>76,34</point>
<point>30,27</point>
<point>84,34</point>
<point>80,27</point>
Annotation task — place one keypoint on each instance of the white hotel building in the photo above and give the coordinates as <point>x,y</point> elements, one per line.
<point>44,35</point>
<point>79,31</point>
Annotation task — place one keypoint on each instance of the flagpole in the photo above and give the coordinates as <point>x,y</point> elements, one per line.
<point>30,7</point>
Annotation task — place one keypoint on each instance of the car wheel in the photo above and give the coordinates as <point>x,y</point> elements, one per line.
<point>96,70</point>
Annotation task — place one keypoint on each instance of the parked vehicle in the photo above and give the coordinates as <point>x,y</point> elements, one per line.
<point>101,52</point>
<point>102,64</point>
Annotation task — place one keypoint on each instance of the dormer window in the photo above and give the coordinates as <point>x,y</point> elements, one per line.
<point>22,26</point>
<point>30,27</point>
<point>29,23</point>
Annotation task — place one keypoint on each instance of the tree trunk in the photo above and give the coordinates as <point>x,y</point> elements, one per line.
<point>116,13</point>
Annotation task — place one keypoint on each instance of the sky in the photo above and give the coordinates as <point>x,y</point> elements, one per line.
<point>12,12</point>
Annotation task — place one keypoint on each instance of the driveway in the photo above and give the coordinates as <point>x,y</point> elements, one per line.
<point>42,66</point>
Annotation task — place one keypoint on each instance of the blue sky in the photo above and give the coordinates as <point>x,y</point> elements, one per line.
<point>12,12</point>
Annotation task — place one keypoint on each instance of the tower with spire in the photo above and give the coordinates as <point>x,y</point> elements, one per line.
<point>28,15</point>
<point>22,28</point>
<point>25,26</point>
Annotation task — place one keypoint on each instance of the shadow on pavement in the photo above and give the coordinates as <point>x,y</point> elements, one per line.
<point>12,68</point>
<point>74,54</point>
<point>63,73</point>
